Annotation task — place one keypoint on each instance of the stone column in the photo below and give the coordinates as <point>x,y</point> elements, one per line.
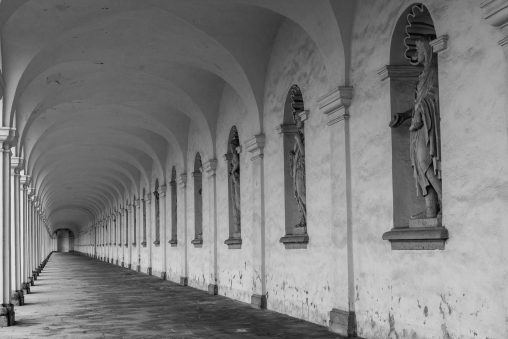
<point>138,232</point>
<point>7,310</point>
<point>210,168</point>
<point>149,226</point>
<point>163,227</point>
<point>335,105</point>
<point>182,181</point>
<point>25,181</point>
<point>31,249</point>
<point>255,147</point>
<point>17,296</point>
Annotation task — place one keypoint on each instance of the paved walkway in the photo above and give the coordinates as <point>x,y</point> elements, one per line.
<point>79,297</point>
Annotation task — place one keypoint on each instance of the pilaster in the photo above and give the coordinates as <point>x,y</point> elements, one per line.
<point>210,168</point>
<point>335,106</point>
<point>255,147</point>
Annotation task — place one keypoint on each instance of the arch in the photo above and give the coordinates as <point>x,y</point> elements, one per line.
<point>234,201</point>
<point>174,208</point>
<point>134,220</point>
<point>157,213</point>
<point>415,130</point>
<point>293,143</point>
<point>143,206</point>
<point>198,201</point>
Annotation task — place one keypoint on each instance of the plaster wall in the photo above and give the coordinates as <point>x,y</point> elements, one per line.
<point>453,293</point>
<point>199,257</point>
<point>236,267</point>
<point>300,282</point>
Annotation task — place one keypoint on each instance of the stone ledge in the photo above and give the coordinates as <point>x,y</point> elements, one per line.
<point>295,241</point>
<point>233,243</point>
<point>197,242</point>
<point>417,238</point>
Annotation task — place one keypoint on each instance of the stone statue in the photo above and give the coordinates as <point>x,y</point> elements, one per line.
<point>425,143</point>
<point>234,174</point>
<point>297,168</point>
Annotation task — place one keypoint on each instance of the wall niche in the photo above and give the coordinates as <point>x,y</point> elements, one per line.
<point>232,158</point>
<point>416,134</point>
<point>293,142</point>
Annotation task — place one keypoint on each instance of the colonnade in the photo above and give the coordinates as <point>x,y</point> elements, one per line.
<point>26,242</point>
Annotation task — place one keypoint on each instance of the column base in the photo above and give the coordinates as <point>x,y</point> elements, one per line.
<point>163,275</point>
<point>129,266</point>
<point>258,301</point>
<point>116,262</point>
<point>7,315</point>
<point>184,281</point>
<point>18,299</point>
<point>31,280</point>
<point>213,289</point>
<point>123,264</point>
<point>138,268</point>
<point>342,322</point>
<point>34,277</point>
<point>26,287</point>
<point>149,271</point>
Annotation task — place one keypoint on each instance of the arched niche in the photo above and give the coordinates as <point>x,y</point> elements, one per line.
<point>134,220</point>
<point>415,133</point>
<point>174,209</point>
<point>234,202</point>
<point>197,176</point>
<point>157,214</point>
<point>126,224</point>
<point>143,211</point>
<point>293,142</point>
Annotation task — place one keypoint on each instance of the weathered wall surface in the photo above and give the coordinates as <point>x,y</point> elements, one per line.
<point>299,281</point>
<point>235,277</point>
<point>453,293</point>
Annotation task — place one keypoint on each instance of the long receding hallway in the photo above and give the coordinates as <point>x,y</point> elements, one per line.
<point>80,297</point>
<point>254,168</point>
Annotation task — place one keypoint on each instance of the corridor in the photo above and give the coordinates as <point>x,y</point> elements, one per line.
<point>79,297</point>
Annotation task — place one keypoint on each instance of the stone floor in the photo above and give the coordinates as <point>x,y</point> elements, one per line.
<point>79,297</point>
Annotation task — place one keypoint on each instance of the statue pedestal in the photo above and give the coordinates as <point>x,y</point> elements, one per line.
<point>425,222</point>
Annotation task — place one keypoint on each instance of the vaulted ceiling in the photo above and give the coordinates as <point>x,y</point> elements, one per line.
<point>102,92</point>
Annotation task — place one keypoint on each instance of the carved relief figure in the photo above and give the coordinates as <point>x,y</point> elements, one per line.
<point>297,168</point>
<point>425,145</point>
<point>234,174</point>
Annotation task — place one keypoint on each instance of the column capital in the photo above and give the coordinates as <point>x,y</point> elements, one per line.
<point>255,146</point>
<point>182,180</point>
<point>495,12</point>
<point>162,190</point>
<point>210,167</point>
<point>17,163</point>
<point>25,181</point>
<point>335,104</point>
<point>7,137</point>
